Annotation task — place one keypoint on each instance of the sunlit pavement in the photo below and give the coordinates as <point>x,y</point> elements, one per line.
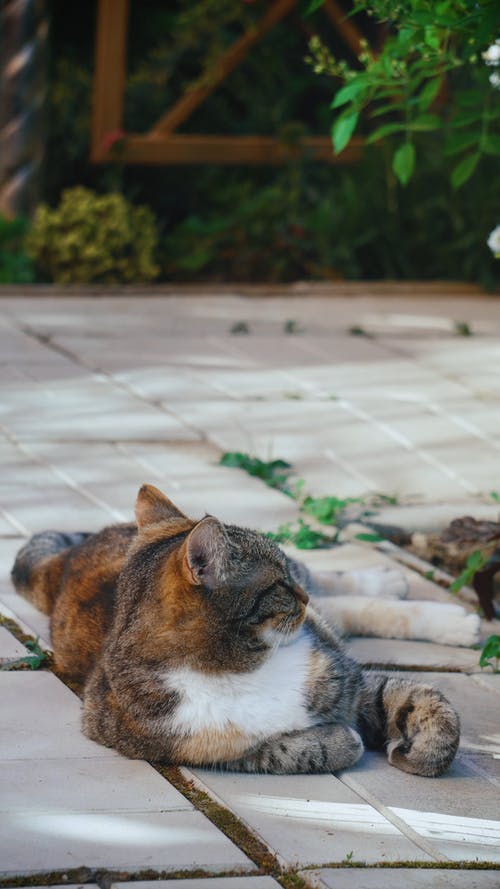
<point>362,394</point>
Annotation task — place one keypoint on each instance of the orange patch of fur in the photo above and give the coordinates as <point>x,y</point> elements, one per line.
<point>211,745</point>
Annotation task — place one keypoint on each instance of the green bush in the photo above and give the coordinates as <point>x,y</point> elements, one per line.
<point>93,238</point>
<point>15,266</point>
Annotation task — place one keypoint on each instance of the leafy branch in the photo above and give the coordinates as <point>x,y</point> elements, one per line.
<point>435,70</point>
<point>490,655</point>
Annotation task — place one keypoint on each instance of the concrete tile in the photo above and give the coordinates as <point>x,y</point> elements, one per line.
<point>10,648</point>
<point>108,418</point>
<point>223,882</point>
<point>455,815</point>
<point>409,655</point>
<point>54,504</point>
<point>489,681</point>
<point>411,878</point>
<point>308,819</point>
<point>45,786</point>
<point>44,720</point>
<point>164,841</point>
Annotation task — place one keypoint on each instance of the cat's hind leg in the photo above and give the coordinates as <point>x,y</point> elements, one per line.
<point>324,748</point>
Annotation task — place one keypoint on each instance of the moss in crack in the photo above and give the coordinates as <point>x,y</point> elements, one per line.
<point>410,865</point>
<point>106,878</point>
<point>228,823</point>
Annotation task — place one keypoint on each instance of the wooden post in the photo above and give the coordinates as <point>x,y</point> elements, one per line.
<point>109,73</point>
<point>230,60</point>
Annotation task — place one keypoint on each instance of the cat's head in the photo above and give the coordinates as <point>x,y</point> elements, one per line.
<point>218,585</point>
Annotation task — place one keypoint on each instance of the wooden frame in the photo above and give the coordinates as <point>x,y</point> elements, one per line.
<point>162,144</point>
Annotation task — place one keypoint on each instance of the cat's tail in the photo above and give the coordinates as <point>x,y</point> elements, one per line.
<point>39,564</point>
<point>414,722</point>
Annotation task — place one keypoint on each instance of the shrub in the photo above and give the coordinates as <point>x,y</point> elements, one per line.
<point>15,266</point>
<point>93,238</point>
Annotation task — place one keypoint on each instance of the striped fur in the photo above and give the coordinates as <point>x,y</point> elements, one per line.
<point>198,645</point>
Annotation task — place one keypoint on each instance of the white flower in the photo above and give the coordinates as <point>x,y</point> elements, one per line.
<point>495,80</point>
<point>494,241</point>
<point>492,54</point>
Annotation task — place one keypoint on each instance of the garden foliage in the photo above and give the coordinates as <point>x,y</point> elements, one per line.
<point>15,265</point>
<point>303,220</point>
<point>93,238</point>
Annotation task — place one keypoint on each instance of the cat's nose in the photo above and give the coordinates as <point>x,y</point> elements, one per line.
<point>301,594</point>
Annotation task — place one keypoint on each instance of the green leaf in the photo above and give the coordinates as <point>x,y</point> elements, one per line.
<point>429,93</point>
<point>490,652</point>
<point>467,117</point>
<point>432,37</point>
<point>327,509</point>
<point>491,144</point>
<point>464,170</point>
<point>313,6</point>
<point>343,128</point>
<point>369,538</point>
<point>460,141</point>
<point>349,92</point>
<point>425,122</point>
<point>403,162</point>
<point>385,130</point>
<point>476,560</point>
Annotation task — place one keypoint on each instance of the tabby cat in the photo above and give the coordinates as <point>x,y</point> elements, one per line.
<point>197,645</point>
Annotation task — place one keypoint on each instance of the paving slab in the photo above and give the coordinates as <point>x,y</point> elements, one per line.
<point>58,785</point>
<point>10,648</point>
<point>163,841</point>
<point>410,878</point>
<point>410,655</point>
<point>456,815</point>
<point>311,819</point>
<point>44,720</point>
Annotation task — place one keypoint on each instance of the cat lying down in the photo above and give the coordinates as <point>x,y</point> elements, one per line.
<point>197,645</point>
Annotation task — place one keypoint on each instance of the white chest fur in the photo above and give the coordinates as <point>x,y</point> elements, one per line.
<point>267,701</point>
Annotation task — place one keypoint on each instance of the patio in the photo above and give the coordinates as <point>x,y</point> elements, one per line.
<point>363,393</point>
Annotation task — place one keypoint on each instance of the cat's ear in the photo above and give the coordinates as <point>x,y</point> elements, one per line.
<point>152,507</point>
<point>206,552</point>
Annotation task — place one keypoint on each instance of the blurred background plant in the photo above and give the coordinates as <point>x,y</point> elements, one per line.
<point>92,238</point>
<point>436,70</point>
<point>303,220</point>
<point>16,266</point>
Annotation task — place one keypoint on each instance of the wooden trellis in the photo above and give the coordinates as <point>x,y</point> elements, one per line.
<point>163,144</point>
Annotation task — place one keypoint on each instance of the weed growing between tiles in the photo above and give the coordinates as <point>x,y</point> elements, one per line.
<point>36,660</point>
<point>32,661</point>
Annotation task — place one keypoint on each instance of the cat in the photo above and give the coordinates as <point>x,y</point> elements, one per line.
<point>198,646</point>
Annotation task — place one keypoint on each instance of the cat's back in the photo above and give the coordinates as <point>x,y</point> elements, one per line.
<point>83,611</point>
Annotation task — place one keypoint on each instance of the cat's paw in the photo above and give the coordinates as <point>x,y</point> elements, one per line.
<point>456,627</point>
<point>382,581</point>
